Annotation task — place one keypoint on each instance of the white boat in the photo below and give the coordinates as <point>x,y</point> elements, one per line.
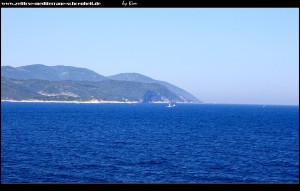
<point>171,105</point>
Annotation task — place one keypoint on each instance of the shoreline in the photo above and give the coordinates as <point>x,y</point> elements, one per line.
<point>89,102</point>
<point>134,102</point>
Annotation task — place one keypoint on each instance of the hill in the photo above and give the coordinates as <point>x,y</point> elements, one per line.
<point>135,77</point>
<point>107,90</point>
<point>51,73</point>
<point>72,83</point>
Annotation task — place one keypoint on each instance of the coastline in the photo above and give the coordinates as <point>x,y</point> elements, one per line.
<point>89,102</point>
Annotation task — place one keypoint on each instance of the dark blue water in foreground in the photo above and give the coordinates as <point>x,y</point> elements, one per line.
<point>47,142</point>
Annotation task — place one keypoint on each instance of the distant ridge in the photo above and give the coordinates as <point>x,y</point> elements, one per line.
<point>132,77</point>
<point>51,73</point>
<point>72,83</point>
<point>136,77</point>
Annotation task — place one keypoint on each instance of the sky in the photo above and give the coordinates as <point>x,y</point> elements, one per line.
<point>220,55</point>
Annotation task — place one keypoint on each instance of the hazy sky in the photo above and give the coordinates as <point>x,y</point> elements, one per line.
<point>219,55</point>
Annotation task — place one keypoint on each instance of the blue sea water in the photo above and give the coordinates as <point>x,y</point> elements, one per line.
<point>149,143</point>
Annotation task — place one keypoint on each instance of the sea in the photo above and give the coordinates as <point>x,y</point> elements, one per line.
<point>149,143</point>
